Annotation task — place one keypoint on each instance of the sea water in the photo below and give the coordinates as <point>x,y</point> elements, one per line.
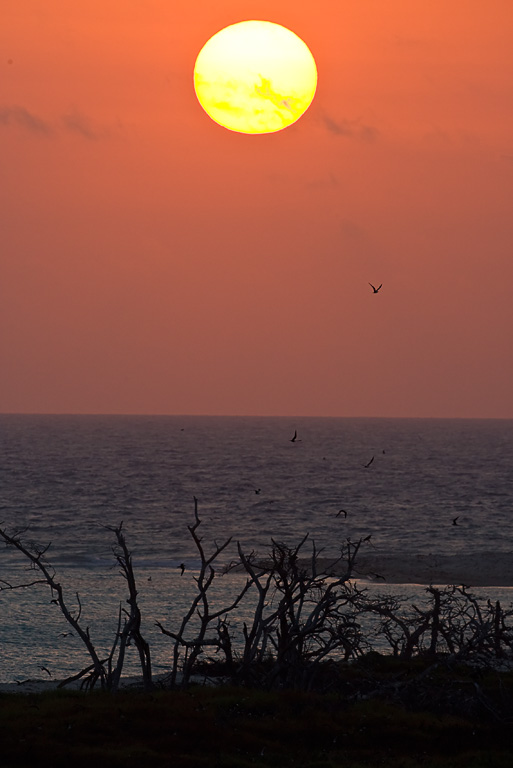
<point>66,480</point>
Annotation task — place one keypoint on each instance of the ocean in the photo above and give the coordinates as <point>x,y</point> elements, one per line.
<point>66,479</point>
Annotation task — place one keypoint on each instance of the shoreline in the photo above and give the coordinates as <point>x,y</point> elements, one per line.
<point>480,570</point>
<point>471,569</point>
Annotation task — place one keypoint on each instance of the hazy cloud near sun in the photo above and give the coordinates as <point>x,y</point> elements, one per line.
<point>19,116</point>
<point>73,121</point>
<point>350,128</point>
<point>76,122</point>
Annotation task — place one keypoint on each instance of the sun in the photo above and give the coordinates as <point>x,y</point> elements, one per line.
<point>255,77</point>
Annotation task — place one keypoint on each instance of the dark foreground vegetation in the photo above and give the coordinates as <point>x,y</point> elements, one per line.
<point>304,614</point>
<point>386,713</point>
<point>297,683</point>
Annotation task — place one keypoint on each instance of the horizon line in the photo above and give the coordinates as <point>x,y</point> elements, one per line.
<point>247,416</point>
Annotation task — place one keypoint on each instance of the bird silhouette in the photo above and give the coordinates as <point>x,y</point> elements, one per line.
<point>341,512</point>
<point>454,521</point>
<point>182,567</point>
<point>257,490</point>
<point>368,463</point>
<point>293,439</point>
<point>374,289</point>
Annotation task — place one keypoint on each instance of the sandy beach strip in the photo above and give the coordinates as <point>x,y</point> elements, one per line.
<point>477,569</point>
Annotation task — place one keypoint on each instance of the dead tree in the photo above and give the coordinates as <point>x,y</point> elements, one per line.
<point>394,624</point>
<point>453,622</point>
<point>473,630</point>
<point>302,617</point>
<point>256,636</point>
<point>187,649</point>
<point>106,671</point>
<point>38,562</point>
<point>131,631</point>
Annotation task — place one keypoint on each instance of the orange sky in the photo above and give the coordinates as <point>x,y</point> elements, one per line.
<point>152,261</point>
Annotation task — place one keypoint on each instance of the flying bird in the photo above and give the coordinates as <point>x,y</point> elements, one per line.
<point>45,669</point>
<point>182,567</point>
<point>257,490</point>
<point>341,512</point>
<point>374,289</point>
<point>454,521</point>
<point>368,463</point>
<point>293,439</point>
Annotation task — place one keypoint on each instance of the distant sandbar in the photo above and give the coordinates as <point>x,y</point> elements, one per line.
<point>480,569</point>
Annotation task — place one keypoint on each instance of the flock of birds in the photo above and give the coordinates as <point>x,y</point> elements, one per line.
<point>296,439</point>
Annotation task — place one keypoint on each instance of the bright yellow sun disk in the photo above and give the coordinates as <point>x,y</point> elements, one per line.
<point>255,77</point>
